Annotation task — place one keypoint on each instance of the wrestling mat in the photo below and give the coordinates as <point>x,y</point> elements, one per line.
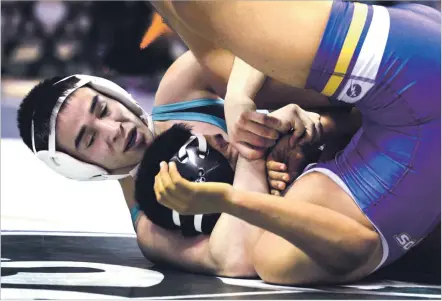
<point>63,239</point>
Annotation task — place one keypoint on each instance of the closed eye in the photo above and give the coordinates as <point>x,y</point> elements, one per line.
<point>104,111</point>
<point>91,141</point>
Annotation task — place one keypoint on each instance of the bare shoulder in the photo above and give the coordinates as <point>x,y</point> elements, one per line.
<point>320,189</point>
<point>128,186</point>
<point>184,80</point>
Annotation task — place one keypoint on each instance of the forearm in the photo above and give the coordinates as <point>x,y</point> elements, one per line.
<point>244,83</point>
<point>326,236</point>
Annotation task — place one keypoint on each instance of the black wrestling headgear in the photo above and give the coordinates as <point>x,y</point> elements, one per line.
<point>197,161</point>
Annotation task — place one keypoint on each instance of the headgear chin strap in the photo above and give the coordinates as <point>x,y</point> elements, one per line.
<point>67,165</point>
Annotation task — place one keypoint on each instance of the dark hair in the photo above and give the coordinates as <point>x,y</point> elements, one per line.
<point>162,149</point>
<point>38,105</point>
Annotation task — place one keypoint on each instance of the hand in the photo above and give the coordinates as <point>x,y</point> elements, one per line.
<point>285,163</point>
<point>175,192</point>
<point>253,133</point>
<point>307,127</point>
<point>277,176</point>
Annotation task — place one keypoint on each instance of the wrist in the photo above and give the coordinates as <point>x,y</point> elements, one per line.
<point>230,200</point>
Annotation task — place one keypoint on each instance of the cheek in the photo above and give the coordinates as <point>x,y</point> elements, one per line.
<point>98,153</point>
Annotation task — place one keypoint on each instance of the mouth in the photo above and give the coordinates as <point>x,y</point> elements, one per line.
<point>132,140</point>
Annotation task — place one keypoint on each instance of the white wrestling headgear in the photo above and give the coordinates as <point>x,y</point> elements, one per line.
<point>65,164</point>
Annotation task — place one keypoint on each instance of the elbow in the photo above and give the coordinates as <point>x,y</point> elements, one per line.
<point>237,271</point>
<point>236,267</point>
<point>357,254</point>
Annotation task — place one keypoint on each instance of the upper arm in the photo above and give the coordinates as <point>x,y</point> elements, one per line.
<point>294,265</point>
<point>161,245</point>
<point>184,80</point>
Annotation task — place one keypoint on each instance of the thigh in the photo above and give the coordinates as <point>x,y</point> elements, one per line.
<point>270,42</point>
<point>394,177</point>
<point>407,90</point>
<point>372,56</point>
<point>423,10</point>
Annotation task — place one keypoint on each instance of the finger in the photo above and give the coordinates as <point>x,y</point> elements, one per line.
<point>279,176</point>
<point>273,165</point>
<point>249,152</point>
<point>277,185</point>
<point>158,188</point>
<point>275,192</point>
<point>296,137</point>
<point>165,177</point>
<point>268,121</point>
<point>254,139</point>
<point>248,123</point>
<point>174,173</point>
<point>298,131</point>
<point>310,133</point>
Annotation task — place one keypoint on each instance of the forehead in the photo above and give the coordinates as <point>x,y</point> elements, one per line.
<point>72,116</point>
<point>78,105</point>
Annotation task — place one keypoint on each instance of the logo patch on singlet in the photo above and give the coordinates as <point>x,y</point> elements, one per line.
<point>354,90</point>
<point>404,240</point>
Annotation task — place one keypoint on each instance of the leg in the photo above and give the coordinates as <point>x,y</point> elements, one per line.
<point>292,265</point>
<point>270,42</point>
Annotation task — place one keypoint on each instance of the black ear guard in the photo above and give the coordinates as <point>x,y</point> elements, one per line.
<point>196,161</point>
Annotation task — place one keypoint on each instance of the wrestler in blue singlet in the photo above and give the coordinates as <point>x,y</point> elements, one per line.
<point>387,62</point>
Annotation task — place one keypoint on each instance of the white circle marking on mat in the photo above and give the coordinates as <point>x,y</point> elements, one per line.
<point>110,275</point>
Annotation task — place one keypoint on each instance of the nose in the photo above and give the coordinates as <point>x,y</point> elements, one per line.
<point>111,130</point>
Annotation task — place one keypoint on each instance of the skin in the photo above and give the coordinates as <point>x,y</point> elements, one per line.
<point>339,245</point>
<point>307,255</point>
<point>207,48</point>
<point>195,81</point>
<point>270,47</point>
<point>107,130</point>
<point>108,145</point>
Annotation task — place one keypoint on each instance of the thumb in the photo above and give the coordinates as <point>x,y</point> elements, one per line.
<point>173,172</point>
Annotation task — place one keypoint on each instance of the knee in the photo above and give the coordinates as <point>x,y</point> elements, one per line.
<point>275,268</point>
<point>265,267</point>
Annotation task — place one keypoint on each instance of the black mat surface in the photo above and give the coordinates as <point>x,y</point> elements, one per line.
<point>38,265</point>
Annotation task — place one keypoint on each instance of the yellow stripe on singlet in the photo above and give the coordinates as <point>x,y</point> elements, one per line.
<point>348,48</point>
